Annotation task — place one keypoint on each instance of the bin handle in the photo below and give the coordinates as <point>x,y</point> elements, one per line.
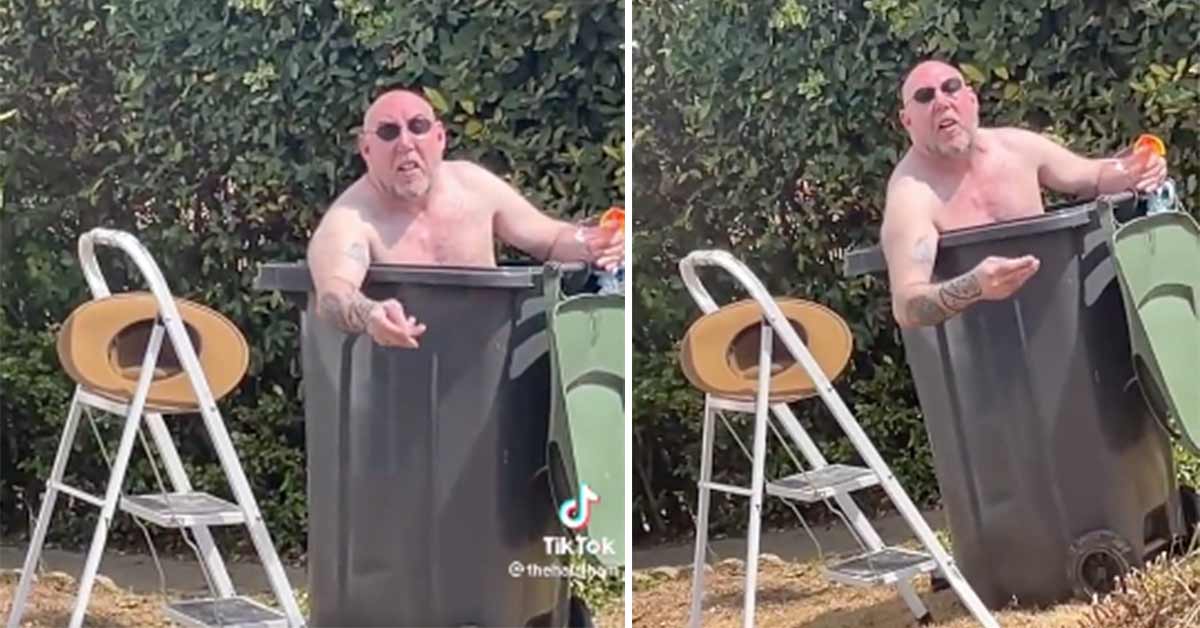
<point>553,274</point>
<point>552,283</point>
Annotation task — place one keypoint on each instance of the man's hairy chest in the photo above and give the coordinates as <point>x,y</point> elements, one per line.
<point>452,234</point>
<point>999,188</point>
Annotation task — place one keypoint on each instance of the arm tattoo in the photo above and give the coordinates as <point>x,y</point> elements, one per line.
<point>358,253</point>
<point>348,312</point>
<point>952,297</point>
<point>924,253</point>
<point>960,292</point>
<point>923,310</point>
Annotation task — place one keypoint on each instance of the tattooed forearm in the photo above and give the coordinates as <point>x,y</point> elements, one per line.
<point>923,310</point>
<point>952,297</point>
<point>960,292</point>
<point>347,311</point>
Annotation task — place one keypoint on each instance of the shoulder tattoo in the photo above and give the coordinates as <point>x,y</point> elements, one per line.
<point>357,252</point>
<point>923,252</point>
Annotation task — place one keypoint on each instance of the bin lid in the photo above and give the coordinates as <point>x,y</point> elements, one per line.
<point>295,276</point>
<point>871,260</point>
<point>588,411</point>
<point>1157,258</point>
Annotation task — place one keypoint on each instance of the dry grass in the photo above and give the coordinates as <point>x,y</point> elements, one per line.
<point>790,595</point>
<point>53,596</point>
<point>1166,595</point>
<point>796,595</point>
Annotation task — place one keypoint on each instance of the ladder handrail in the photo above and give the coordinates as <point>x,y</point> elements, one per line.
<point>858,437</point>
<point>168,311</point>
<point>186,353</point>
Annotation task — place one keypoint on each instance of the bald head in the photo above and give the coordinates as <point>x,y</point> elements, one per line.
<point>939,110</point>
<point>926,72</point>
<point>397,100</point>
<point>402,143</point>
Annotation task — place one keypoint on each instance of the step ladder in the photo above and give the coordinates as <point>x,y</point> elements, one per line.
<point>183,508</point>
<point>880,564</point>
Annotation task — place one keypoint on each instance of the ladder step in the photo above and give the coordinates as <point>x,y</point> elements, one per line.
<point>230,612</point>
<point>823,483</point>
<point>885,566</point>
<point>183,510</point>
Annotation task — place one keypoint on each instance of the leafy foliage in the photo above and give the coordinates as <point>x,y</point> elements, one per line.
<point>217,132</point>
<point>769,129</point>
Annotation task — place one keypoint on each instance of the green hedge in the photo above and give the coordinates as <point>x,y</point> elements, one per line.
<point>737,102</point>
<point>218,132</point>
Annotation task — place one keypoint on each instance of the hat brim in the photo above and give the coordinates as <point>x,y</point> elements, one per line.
<point>103,342</point>
<point>720,351</point>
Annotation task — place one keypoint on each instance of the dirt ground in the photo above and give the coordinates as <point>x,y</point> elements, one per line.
<point>50,604</point>
<point>53,596</point>
<point>790,595</point>
<point>796,595</point>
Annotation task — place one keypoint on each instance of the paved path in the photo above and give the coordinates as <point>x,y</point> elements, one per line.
<point>137,571</point>
<point>791,545</point>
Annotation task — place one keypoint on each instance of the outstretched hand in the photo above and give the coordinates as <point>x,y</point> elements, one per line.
<point>1000,277</point>
<point>390,326</point>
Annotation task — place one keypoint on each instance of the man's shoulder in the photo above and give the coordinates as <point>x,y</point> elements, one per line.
<point>906,175</point>
<point>351,200</point>
<point>1014,135</point>
<point>466,170</point>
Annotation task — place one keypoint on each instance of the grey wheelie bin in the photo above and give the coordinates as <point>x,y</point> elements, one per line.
<point>1054,474</point>
<point>427,472</point>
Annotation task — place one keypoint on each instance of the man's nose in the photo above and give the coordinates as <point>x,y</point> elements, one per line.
<point>406,139</point>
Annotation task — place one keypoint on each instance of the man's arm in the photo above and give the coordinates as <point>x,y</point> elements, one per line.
<point>522,225</point>
<point>338,258</point>
<point>1062,170</point>
<point>909,242</point>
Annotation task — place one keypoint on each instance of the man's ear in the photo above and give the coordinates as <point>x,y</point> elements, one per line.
<point>361,142</point>
<point>905,119</point>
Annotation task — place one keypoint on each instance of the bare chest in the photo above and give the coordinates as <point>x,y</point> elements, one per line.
<point>998,188</point>
<point>456,233</point>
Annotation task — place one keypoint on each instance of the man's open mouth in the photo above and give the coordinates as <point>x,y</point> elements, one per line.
<point>407,166</point>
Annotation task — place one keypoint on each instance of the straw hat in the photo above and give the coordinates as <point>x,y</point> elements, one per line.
<point>103,342</point>
<point>720,352</point>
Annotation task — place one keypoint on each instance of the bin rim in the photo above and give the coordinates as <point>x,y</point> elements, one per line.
<point>295,276</point>
<point>870,260</point>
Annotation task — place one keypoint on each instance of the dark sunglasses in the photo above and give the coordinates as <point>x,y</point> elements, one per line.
<point>949,87</point>
<point>389,131</point>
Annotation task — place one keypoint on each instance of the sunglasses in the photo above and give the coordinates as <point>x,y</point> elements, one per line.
<point>949,87</point>
<point>417,126</point>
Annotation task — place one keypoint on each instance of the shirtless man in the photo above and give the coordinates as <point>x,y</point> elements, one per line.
<point>958,175</point>
<point>411,207</point>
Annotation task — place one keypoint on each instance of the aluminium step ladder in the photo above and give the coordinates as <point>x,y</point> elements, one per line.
<point>183,508</point>
<point>880,564</point>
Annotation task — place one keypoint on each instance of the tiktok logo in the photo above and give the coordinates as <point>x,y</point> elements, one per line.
<point>577,511</point>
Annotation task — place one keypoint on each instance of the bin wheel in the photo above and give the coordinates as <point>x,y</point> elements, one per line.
<point>1096,561</point>
<point>580,616</point>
